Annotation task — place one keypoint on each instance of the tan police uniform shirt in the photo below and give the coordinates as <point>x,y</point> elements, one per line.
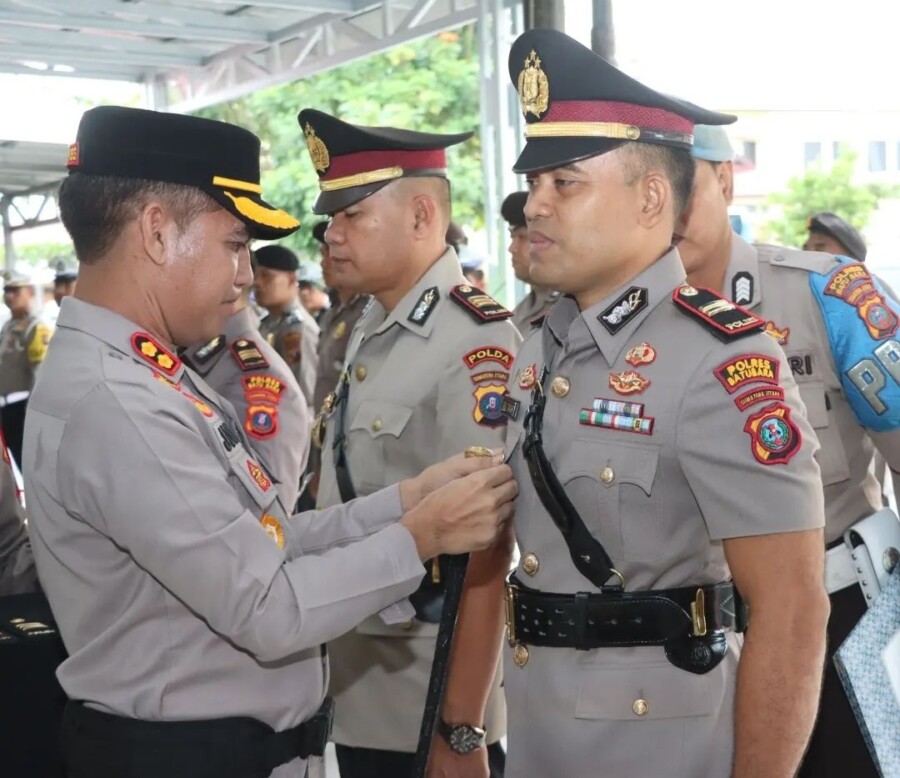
<point>661,502</point>
<point>23,345</point>
<point>180,588</point>
<point>536,303</point>
<point>773,282</point>
<point>336,325</point>
<point>294,334</point>
<point>243,368</point>
<point>426,380</point>
<point>17,571</point>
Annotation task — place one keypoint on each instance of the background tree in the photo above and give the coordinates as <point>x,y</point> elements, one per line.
<point>428,85</point>
<point>824,190</point>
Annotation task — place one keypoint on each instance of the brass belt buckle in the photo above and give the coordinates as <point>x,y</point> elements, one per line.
<point>698,613</point>
<point>510,597</point>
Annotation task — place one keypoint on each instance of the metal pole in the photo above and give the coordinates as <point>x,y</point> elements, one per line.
<point>603,33</point>
<point>9,247</point>
<point>545,14</point>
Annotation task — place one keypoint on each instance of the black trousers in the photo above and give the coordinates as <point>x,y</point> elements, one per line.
<point>837,748</point>
<point>12,417</point>
<point>374,763</point>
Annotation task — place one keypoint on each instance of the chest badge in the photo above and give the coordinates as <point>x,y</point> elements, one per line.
<point>779,336</point>
<point>527,376</point>
<point>340,330</point>
<point>488,409</point>
<point>642,354</point>
<point>424,306</point>
<point>628,382</point>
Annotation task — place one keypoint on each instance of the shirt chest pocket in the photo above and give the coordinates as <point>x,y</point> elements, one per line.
<point>375,448</point>
<point>611,484</point>
<point>831,456</point>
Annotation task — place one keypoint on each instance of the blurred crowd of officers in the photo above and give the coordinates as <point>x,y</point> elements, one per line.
<point>228,468</point>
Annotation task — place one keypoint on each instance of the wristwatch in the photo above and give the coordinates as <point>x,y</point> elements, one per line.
<point>462,738</point>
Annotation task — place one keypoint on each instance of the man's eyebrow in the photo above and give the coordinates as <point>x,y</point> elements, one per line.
<point>241,233</point>
<point>573,167</point>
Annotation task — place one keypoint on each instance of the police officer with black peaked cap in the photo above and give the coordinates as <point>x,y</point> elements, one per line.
<point>192,604</point>
<point>830,233</point>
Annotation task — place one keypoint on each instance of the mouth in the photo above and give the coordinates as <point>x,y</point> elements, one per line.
<point>538,242</point>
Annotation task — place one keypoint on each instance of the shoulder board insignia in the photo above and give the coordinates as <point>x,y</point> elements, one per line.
<point>720,316</point>
<point>153,352</point>
<point>480,306</point>
<point>206,352</point>
<point>247,355</point>
<point>742,287</point>
<point>424,306</point>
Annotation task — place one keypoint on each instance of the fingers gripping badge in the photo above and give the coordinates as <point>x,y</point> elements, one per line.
<point>775,438</point>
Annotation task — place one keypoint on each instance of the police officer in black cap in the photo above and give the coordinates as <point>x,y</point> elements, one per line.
<point>64,284</point>
<point>288,328</point>
<point>830,233</point>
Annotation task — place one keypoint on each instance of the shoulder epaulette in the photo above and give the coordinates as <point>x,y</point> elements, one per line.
<point>719,315</point>
<point>247,355</point>
<point>810,261</point>
<point>480,306</point>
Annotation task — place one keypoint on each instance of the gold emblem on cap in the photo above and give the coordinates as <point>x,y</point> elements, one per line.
<point>318,151</point>
<point>534,88</point>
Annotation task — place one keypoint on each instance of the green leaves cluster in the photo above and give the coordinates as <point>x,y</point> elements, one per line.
<point>430,85</point>
<point>824,190</point>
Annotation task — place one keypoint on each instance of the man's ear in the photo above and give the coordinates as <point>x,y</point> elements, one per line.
<point>725,175</point>
<point>156,231</point>
<point>655,194</point>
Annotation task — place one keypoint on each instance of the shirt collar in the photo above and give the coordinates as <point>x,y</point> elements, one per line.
<point>742,276</point>
<point>121,334</point>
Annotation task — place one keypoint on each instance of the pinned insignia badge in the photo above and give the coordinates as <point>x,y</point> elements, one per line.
<point>722,317</point>
<point>201,406</point>
<point>742,288</point>
<point>779,336</point>
<point>257,474</point>
<point>642,354</point>
<point>156,354</point>
<point>291,341</point>
<point>273,528</point>
<point>262,421</point>
<point>628,382</point>
<point>527,376</point>
<point>247,355</point>
<point>620,312</point>
<point>484,354</point>
<point>761,394</point>
<point>533,87</point>
<point>510,407</point>
<point>318,151</point>
<point>854,285</point>
<point>480,306</point>
<point>424,306</point>
<point>340,330</point>
<point>206,352</point>
<point>774,437</point>
<point>489,405</point>
<point>747,369</point>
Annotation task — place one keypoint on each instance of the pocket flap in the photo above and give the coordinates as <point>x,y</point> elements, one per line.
<point>638,692</point>
<point>610,463</point>
<point>381,417</point>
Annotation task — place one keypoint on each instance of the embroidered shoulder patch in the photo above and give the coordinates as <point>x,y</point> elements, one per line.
<point>747,369</point>
<point>153,352</point>
<point>247,355</point>
<point>488,409</point>
<point>774,437</point>
<point>206,352</point>
<point>261,421</point>
<point>263,387</point>
<point>478,356</point>
<point>424,306</point>
<point>480,306</point>
<point>720,316</point>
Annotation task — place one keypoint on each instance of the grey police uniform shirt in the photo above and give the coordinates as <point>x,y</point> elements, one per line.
<point>536,303</point>
<point>295,335</point>
<point>426,380</point>
<point>661,489</point>
<point>336,325</point>
<point>181,589</point>
<point>243,368</point>
<point>773,282</point>
<point>17,571</point>
<point>23,345</point>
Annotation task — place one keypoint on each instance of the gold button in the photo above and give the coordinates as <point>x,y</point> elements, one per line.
<point>361,373</point>
<point>530,564</point>
<point>407,625</point>
<point>640,707</point>
<point>376,425</point>
<point>607,475</point>
<point>520,655</point>
<point>560,386</point>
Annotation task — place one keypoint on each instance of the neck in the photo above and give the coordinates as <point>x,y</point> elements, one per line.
<point>412,274</point>
<point>276,309</point>
<point>20,314</point>
<point>711,269</point>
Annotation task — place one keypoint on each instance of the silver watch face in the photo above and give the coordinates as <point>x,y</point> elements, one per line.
<point>465,739</point>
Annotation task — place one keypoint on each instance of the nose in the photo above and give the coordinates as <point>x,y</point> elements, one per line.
<point>535,205</point>
<point>244,277</point>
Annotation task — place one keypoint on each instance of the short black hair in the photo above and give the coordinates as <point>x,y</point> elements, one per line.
<point>676,164</point>
<point>95,209</point>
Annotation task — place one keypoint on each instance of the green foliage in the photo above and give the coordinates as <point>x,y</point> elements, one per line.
<point>36,254</point>
<point>824,190</point>
<point>429,85</point>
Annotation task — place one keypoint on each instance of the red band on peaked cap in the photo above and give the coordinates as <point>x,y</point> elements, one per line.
<point>641,116</point>
<point>366,161</point>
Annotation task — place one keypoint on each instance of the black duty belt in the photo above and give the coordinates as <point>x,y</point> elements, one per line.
<point>660,617</point>
<point>107,746</point>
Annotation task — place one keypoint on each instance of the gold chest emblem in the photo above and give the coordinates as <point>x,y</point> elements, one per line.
<point>318,151</point>
<point>534,89</point>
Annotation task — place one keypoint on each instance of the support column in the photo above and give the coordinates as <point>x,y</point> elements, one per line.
<point>9,247</point>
